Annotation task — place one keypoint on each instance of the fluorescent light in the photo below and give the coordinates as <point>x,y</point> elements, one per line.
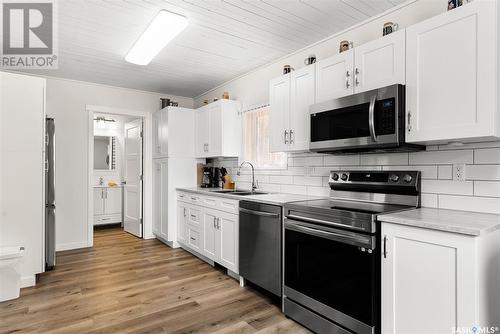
<point>164,27</point>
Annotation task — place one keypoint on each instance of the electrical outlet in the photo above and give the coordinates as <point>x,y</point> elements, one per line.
<point>459,172</point>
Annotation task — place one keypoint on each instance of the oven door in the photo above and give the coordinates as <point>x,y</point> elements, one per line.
<point>334,273</point>
<point>361,121</point>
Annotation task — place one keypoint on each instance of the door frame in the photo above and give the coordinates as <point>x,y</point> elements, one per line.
<point>147,161</point>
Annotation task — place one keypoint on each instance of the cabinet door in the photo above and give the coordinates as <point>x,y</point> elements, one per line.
<point>450,76</point>
<point>428,280</point>
<point>160,200</point>
<point>279,100</point>
<point>113,201</point>
<point>302,94</point>
<point>181,222</point>
<point>380,63</point>
<point>156,134</point>
<point>202,132</point>
<point>214,130</point>
<point>227,241</point>
<point>98,201</point>
<point>334,77</point>
<point>209,231</point>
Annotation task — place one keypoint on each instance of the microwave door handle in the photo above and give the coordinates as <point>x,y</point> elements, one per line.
<point>371,117</point>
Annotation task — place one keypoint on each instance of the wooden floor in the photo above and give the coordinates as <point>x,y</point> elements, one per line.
<point>128,285</point>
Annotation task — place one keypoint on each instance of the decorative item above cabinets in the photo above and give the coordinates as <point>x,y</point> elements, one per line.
<point>452,76</point>
<point>218,129</point>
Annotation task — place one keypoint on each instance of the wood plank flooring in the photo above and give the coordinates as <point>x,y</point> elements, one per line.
<point>128,285</point>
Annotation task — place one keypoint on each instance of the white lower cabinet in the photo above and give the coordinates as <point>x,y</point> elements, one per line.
<point>108,205</point>
<point>428,280</point>
<point>160,203</point>
<point>209,226</point>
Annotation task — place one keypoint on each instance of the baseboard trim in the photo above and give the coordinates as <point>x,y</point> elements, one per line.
<point>28,281</point>
<point>71,245</point>
<point>149,236</point>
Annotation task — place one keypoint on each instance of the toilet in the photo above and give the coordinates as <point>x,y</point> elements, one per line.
<point>10,276</point>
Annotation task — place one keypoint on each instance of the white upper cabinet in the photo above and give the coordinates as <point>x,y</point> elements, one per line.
<point>218,130</point>
<point>290,98</point>
<point>279,101</point>
<point>334,76</point>
<point>451,76</point>
<point>173,132</point>
<point>380,63</point>
<point>301,97</point>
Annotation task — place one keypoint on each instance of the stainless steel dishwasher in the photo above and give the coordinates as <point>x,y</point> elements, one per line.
<point>260,245</point>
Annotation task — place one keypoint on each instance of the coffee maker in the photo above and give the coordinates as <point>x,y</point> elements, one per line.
<point>211,177</point>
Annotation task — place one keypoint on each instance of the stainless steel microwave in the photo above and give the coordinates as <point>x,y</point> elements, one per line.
<point>368,121</point>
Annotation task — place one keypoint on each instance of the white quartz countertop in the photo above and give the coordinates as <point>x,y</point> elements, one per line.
<point>268,198</point>
<point>462,222</point>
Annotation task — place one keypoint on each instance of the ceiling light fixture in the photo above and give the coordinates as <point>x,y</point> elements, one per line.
<point>164,27</point>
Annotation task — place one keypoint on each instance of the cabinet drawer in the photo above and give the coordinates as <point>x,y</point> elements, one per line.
<point>194,216</point>
<point>193,238</point>
<point>193,198</point>
<point>182,197</point>
<point>228,205</point>
<point>209,201</point>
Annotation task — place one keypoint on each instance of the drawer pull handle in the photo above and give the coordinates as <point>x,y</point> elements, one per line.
<point>194,239</point>
<point>193,216</point>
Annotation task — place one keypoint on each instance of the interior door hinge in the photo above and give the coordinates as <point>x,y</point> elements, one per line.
<point>140,177</point>
<point>142,133</point>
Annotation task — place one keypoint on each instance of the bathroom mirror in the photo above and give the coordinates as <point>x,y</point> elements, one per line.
<point>104,153</point>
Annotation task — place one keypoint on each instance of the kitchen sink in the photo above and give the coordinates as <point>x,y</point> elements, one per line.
<point>239,192</point>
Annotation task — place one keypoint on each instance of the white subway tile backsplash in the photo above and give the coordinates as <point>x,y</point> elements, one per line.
<point>342,160</point>
<point>384,159</point>
<point>482,172</point>
<point>445,172</point>
<point>469,203</point>
<point>308,173</point>
<point>487,156</point>
<point>448,187</point>
<point>441,157</point>
<point>487,188</point>
<point>308,180</point>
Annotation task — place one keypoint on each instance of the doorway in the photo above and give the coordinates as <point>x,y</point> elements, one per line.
<point>118,171</point>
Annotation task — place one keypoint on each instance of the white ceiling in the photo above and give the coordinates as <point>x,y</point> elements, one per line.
<point>225,38</point>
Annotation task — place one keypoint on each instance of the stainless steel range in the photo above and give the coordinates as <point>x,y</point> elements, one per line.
<point>332,250</point>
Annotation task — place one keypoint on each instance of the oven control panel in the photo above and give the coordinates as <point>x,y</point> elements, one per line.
<point>388,178</point>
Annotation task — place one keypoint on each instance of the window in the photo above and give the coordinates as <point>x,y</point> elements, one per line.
<point>256,140</point>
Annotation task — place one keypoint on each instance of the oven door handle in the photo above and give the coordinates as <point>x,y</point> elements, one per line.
<point>361,241</point>
<point>319,221</point>
<point>371,117</point>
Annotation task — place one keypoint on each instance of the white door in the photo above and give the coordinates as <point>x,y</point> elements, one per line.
<point>202,132</point>
<point>209,231</point>
<point>98,201</point>
<point>428,280</point>
<point>113,201</point>
<point>133,178</point>
<point>450,75</point>
<point>334,76</point>
<point>227,241</point>
<point>380,63</point>
<point>279,100</point>
<point>302,95</point>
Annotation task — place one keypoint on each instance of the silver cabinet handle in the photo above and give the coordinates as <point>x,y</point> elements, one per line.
<point>215,226</point>
<point>385,247</point>
<point>291,136</point>
<point>409,121</point>
<point>356,73</point>
<point>102,193</point>
<point>184,212</point>
<point>371,117</point>
<point>286,137</point>
<point>218,223</point>
<point>347,75</point>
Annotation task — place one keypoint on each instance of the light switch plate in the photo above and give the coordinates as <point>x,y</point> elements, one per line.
<point>459,172</point>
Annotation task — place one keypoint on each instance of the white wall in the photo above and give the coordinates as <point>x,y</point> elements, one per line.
<point>66,101</point>
<point>253,88</point>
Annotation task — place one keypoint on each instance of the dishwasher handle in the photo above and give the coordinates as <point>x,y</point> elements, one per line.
<point>260,213</point>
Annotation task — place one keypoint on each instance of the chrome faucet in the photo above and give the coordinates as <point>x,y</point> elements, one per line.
<point>254,184</point>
